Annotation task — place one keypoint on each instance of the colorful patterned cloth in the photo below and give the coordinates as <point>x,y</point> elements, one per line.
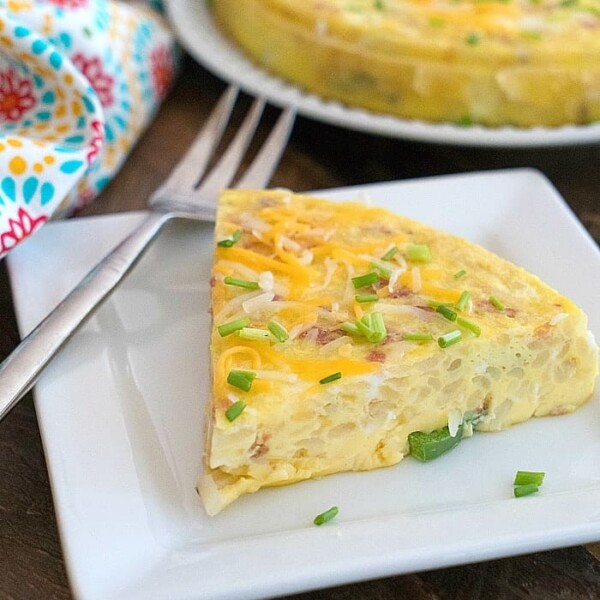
<point>79,81</point>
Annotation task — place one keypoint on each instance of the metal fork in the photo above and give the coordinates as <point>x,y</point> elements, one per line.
<point>190,193</point>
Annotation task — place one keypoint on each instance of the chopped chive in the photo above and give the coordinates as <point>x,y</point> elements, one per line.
<point>232,326</point>
<point>326,516</point>
<point>497,304</point>
<point>390,253</point>
<point>372,327</point>
<point>243,283</point>
<point>449,339</point>
<point>417,337</point>
<point>349,327</point>
<point>435,304</point>
<point>278,331</point>
<point>330,378</point>
<point>427,446</point>
<point>462,301</point>
<point>363,328</point>
<point>525,490</point>
<point>366,298</point>
<point>460,274</point>
<point>235,410</point>
<point>418,253</point>
<point>446,312</point>
<point>381,270</point>
<point>364,280</point>
<point>528,477</point>
<point>252,333</point>
<point>241,379</point>
<point>378,327</point>
<point>464,121</point>
<point>473,39</point>
<point>472,327</point>
<point>228,242</point>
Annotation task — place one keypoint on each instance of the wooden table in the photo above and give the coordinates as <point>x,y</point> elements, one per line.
<point>319,156</point>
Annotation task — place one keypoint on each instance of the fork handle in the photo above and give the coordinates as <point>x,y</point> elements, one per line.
<point>21,369</point>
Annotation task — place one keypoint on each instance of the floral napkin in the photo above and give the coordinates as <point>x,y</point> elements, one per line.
<point>79,81</point>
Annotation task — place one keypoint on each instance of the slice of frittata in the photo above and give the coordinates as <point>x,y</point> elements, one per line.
<point>340,329</point>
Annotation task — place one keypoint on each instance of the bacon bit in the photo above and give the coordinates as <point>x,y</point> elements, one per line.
<point>510,312</point>
<point>402,292</point>
<point>543,331</point>
<point>427,308</point>
<point>212,281</point>
<point>487,401</point>
<point>322,336</point>
<point>376,356</point>
<point>259,447</point>
<point>392,337</point>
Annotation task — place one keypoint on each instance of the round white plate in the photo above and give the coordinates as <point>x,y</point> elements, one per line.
<point>198,34</point>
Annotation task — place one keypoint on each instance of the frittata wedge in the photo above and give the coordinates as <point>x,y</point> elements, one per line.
<point>340,329</point>
<point>494,62</point>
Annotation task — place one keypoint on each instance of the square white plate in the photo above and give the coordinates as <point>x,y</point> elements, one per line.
<point>121,414</point>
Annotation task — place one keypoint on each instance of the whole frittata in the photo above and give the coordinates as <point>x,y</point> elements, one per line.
<point>492,62</point>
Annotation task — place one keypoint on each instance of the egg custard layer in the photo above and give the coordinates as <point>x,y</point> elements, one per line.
<point>494,62</point>
<point>339,329</point>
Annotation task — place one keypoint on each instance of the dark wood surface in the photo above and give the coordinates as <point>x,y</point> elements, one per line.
<point>319,156</point>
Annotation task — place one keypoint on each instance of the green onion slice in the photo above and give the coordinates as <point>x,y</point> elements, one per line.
<point>366,298</point>
<point>496,303</point>
<point>417,337</point>
<point>528,477</point>
<point>427,446</point>
<point>381,270</point>
<point>351,328</point>
<point>278,331</point>
<point>446,312</point>
<point>364,325</point>
<point>232,326</point>
<point>235,410</point>
<point>390,253</point>
<point>326,516</point>
<point>418,253</point>
<point>463,300</point>
<point>330,378</point>
<point>364,280</point>
<point>469,325</point>
<point>371,326</point>
<point>525,490</point>
<point>228,242</point>
<point>435,304</point>
<point>449,339</point>
<point>241,379</point>
<point>378,327</point>
<point>460,274</point>
<point>252,333</point>
<point>243,283</point>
